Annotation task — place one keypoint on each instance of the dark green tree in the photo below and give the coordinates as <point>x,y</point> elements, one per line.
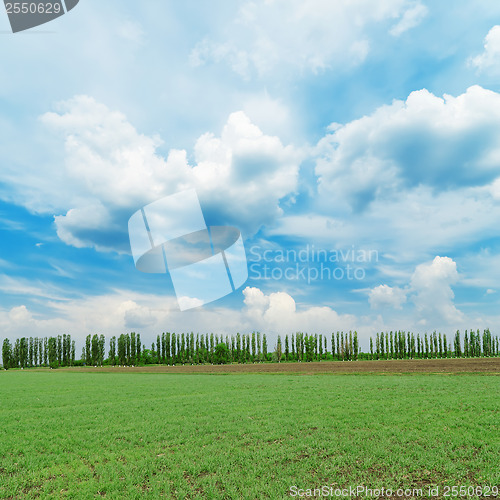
<point>7,360</point>
<point>221,353</point>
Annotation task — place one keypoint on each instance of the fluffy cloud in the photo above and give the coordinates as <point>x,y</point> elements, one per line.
<point>303,35</point>
<point>109,170</point>
<point>243,174</point>
<point>277,313</point>
<point>386,296</point>
<point>433,293</point>
<point>445,143</point>
<point>126,310</point>
<point>489,60</point>
<point>430,292</point>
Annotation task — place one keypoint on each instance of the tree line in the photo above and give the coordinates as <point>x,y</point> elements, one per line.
<point>188,348</point>
<point>405,345</point>
<point>34,352</point>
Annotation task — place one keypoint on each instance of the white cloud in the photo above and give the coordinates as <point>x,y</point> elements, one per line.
<point>271,115</point>
<point>274,313</point>
<point>126,310</point>
<point>412,226</point>
<point>109,170</point>
<point>410,19</point>
<point>277,313</point>
<point>433,299</point>
<point>489,60</point>
<point>445,143</point>
<point>244,173</point>
<point>430,292</point>
<point>386,296</point>
<point>301,35</point>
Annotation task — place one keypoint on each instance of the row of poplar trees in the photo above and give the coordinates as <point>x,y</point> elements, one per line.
<point>171,348</point>
<point>403,345</point>
<point>33,352</point>
<point>249,348</point>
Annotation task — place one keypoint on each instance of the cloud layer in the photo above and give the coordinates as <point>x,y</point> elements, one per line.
<point>302,36</point>
<point>109,170</point>
<point>445,143</point>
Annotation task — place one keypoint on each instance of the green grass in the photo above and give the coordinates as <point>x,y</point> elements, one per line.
<point>84,435</point>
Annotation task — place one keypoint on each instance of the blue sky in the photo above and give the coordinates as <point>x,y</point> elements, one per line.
<point>350,126</point>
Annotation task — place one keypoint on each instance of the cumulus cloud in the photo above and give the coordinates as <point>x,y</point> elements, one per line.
<point>277,313</point>
<point>386,296</point>
<point>302,35</point>
<point>126,310</point>
<point>109,170</point>
<point>489,60</point>
<point>429,290</point>
<point>243,174</point>
<point>433,293</point>
<point>445,143</point>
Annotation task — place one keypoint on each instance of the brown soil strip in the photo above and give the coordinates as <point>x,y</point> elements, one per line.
<point>474,365</point>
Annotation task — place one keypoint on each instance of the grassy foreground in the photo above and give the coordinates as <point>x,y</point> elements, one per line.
<point>84,435</point>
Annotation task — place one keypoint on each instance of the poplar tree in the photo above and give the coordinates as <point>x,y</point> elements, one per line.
<point>163,347</point>
<point>133,348</point>
<point>112,350</point>
<point>102,349</point>
<point>73,353</point>
<point>35,351</point>
<point>65,350</point>
<point>88,354</point>
<point>59,350</point>
<point>121,350</point>
<point>173,346</point>
<point>95,349</point>
<point>138,342</point>
<point>167,349</point>
<point>287,350</point>
<point>23,352</point>
<point>238,347</point>
<point>278,350</point>
<point>7,360</point>
<point>30,351</point>
<point>264,347</point>
<point>52,344</point>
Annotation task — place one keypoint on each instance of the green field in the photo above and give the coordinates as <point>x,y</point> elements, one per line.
<point>85,435</point>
